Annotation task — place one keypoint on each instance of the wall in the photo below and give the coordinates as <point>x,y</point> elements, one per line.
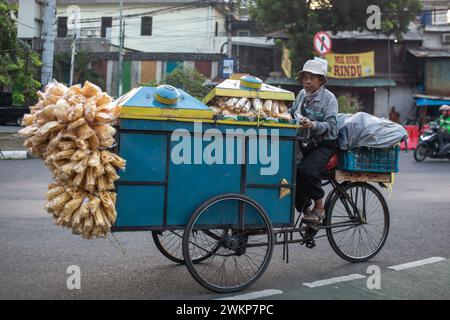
<point>401,98</point>
<point>437,76</point>
<point>190,30</point>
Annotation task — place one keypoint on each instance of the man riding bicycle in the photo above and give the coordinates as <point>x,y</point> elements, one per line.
<point>315,108</point>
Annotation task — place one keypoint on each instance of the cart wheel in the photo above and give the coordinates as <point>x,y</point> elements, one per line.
<point>362,241</point>
<point>241,233</point>
<point>169,243</point>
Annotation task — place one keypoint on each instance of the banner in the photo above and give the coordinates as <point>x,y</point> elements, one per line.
<point>354,65</point>
<point>286,64</point>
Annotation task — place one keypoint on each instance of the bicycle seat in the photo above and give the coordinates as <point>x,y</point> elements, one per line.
<point>333,163</point>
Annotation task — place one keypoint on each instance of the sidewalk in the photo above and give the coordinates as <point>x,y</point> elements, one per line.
<point>428,282</point>
<point>11,145</point>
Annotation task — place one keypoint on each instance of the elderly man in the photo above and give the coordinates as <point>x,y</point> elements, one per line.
<point>315,108</point>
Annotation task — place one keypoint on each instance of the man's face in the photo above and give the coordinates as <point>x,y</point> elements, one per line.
<point>311,82</point>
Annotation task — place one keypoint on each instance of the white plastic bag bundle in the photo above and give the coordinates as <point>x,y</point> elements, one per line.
<point>364,130</point>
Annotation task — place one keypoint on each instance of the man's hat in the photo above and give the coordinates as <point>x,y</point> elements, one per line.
<point>314,67</point>
<point>444,108</point>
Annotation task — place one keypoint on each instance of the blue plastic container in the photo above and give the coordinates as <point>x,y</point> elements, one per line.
<point>370,160</point>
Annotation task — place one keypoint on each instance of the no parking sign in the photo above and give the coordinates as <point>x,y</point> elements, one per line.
<point>322,43</point>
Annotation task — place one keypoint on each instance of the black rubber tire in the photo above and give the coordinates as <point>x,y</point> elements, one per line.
<point>421,153</point>
<point>192,267</point>
<point>328,221</point>
<point>172,256</point>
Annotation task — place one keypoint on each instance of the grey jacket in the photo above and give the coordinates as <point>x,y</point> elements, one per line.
<point>323,110</point>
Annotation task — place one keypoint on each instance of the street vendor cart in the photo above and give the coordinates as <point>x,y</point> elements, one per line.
<point>218,191</point>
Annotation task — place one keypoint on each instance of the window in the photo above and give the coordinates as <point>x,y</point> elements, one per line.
<point>62,27</point>
<point>216,32</point>
<point>146,26</point>
<point>244,33</point>
<point>106,23</point>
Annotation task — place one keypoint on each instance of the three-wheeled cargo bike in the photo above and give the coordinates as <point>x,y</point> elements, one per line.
<point>219,194</point>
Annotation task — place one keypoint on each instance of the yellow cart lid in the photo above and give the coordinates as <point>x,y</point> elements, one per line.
<point>234,88</point>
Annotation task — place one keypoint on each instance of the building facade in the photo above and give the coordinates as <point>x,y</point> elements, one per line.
<point>160,36</point>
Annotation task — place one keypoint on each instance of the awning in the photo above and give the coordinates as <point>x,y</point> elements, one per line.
<point>355,83</point>
<point>425,100</point>
<point>430,53</point>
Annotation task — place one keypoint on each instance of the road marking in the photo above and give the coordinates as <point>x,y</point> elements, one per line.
<point>416,263</point>
<point>13,155</point>
<point>326,282</point>
<point>254,295</point>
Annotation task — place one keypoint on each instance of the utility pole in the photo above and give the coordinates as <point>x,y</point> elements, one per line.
<point>389,73</point>
<point>229,38</point>
<point>48,34</point>
<point>73,24</point>
<point>121,44</point>
<point>72,58</point>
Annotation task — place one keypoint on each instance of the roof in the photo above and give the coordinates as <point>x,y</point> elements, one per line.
<point>426,100</point>
<point>253,42</point>
<point>280,34</point>
<point>413,34</point>
<point>430,53</point>
<point>332,82</point>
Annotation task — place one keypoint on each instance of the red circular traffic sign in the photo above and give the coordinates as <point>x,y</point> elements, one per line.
<point>322,43</point>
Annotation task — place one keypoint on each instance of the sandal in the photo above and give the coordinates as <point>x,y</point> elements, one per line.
<point>314,216</point>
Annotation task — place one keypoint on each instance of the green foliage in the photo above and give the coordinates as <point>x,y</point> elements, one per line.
<point>82,69</point>
<point>152,83</point>
<point>188,79</point>
<point>301,19</point>
<point>349,104</point>
<point>20,66</point>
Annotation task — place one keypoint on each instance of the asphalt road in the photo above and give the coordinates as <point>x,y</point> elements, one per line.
<point>35,253</point>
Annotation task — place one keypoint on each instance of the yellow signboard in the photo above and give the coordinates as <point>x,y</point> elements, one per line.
<point>286,64</point>
<point>355,65</point>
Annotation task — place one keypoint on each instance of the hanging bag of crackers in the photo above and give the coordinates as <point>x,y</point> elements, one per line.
<point>72,131</point>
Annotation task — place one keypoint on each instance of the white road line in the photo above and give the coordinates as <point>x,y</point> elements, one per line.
<point>254,295</point>
<point>13,155</point>
<point>416,263</point>
<point>326,282</point>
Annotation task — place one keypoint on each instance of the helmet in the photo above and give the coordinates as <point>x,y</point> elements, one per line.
<point>444,108</point>
<point>314,67</point>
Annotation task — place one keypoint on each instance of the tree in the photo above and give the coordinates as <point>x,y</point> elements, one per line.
<point>188,79</point>
<point>349,104</point>
<point>82,69</point>
<point>19,65</point>
<point>301,19</point>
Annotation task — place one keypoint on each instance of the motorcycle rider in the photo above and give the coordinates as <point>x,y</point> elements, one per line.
<point>444,123</point>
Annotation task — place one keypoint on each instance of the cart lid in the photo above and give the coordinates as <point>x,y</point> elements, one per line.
<point>161,103</point>
<point>246,88</point>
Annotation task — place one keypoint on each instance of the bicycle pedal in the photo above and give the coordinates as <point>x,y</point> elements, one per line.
<point>310,244</point>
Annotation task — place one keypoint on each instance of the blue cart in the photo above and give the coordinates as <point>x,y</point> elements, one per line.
<point>195,182</point>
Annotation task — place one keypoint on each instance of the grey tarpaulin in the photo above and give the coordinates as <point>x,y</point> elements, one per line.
<point>364,130</point>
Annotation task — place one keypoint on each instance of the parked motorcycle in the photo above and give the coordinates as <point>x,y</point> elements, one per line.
<point>428,146</point>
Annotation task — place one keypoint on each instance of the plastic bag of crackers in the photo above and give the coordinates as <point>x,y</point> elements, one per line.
<point>71,129</point>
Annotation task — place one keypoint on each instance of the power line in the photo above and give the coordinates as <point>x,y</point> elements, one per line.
<point>190,5</point>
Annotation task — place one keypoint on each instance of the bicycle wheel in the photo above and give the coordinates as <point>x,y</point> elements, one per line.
<point>169,243</point>
<point>242,233</point>
<point>360,236</point>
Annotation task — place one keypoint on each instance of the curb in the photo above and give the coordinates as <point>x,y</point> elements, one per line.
<point>15,155</point>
